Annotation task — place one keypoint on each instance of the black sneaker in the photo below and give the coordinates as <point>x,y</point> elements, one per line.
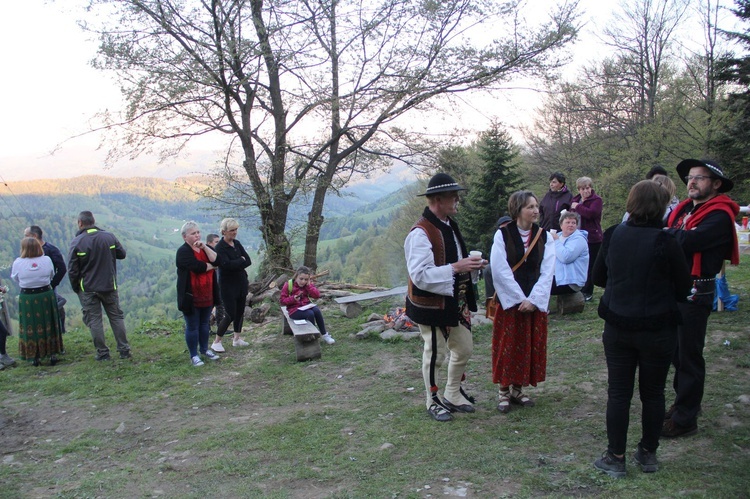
<point>646,460</point>
<point>439,413</point>
<point>126,355</point>
<point>104,357</point>
<point>611,465</point>
<point>588,297</point>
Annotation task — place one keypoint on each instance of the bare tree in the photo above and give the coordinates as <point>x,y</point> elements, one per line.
<point>308,92</point>
<point>642,33</point>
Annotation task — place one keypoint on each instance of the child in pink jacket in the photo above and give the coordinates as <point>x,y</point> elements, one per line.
<point>298,304</point>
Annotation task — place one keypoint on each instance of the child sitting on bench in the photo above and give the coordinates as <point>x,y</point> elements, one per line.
<point>295,296</point>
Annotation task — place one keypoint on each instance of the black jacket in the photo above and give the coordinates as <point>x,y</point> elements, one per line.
<point>186,263</point>
<point>645,274</point>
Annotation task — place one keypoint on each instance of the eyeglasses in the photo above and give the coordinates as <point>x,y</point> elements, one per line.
<point>697,178</point>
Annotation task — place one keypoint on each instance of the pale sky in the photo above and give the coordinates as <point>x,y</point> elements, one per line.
<point>49,93</point>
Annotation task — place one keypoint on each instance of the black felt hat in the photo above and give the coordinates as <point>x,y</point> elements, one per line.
<point>684,168</point>
<point>441,182</point>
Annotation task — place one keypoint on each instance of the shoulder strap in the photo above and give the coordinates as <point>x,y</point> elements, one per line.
<point>528,250</point>
<point>290,285</point>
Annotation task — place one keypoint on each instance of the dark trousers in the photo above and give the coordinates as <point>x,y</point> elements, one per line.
<point>3,338</point>
<point>690,366</point>
<point>313,315</point>
<point>234,310</point>
<point>588,288</point>
<point>651,353</point>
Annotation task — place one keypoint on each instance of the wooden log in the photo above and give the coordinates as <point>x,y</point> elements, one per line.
<point>351,310</point>
<point>572,303</point>
<point>258,314</point>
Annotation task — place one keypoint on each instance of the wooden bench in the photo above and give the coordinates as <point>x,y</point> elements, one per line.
<point>350,304</point>
<point>306,337</point>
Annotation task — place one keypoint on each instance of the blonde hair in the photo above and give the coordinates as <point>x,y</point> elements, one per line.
<point>667,183</point>
<point>228,224</point>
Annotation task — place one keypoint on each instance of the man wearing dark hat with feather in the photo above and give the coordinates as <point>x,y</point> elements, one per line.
<point>703,224</point>
<point>441,296</point>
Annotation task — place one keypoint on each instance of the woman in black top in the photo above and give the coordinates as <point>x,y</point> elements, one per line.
<point>233,260</point>
<point>645,274</point>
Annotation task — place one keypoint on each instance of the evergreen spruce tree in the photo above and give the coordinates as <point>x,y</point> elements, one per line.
<point>490,188</point>
<point>731,146</point>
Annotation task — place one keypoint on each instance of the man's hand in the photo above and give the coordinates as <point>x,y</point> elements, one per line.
<point>468,264</point>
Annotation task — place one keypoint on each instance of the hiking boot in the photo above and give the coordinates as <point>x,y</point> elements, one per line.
<point>439,413</point>
<point>611,465</point>
<point>197,362</point>
<point>210,355</point>
<point>646,460</point>
<point>328,338</point>
<point>674,430</point>
<point>6,360</point>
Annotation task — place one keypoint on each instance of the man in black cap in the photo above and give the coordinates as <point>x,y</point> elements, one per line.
<point>441,296</point>
<point>703,224</point>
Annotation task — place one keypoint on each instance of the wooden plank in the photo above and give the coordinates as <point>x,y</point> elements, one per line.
<point>401,290</point>
<point>306,337</point>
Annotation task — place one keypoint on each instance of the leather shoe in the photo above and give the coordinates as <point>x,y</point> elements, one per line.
<point>673,430</point>
<point>459,408</point>
<point>439,413</point>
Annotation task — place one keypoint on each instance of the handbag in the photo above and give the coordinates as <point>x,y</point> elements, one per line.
<point>491,304</point>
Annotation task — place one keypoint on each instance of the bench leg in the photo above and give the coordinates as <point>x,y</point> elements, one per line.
<point>285,328</point>
<point>570,303</point>
<point>306,350</point>
<point>351,310</point>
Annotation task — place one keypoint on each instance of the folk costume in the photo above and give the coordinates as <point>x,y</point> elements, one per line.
<point>707,236</point>
<point>440,302</point>
<point>519,339</point>
<point>38,323</point>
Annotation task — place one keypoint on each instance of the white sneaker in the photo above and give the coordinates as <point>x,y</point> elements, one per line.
<point>240,343</point>
<point>197,362</point>
<point>210,355</point>
<point>328,338</point>
<point>217,347</point>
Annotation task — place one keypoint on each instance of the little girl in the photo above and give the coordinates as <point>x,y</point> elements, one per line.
<point>299,296</point>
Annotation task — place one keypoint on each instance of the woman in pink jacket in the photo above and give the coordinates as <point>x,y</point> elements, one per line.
<point>298,304</point>
<point>589,206</point>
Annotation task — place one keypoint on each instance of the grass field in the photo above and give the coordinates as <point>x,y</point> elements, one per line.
<point>352,425</point>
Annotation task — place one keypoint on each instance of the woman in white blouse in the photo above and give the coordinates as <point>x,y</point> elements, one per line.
<point>523,265</point>
<point>38,323</point>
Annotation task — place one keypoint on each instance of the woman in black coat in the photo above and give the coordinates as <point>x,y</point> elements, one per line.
<point>197,291</point>
<point>232,282</point>
<point>645,274</point>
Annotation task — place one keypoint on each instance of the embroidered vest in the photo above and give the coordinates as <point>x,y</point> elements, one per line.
<point>528,273</point>
<point>424,307</point>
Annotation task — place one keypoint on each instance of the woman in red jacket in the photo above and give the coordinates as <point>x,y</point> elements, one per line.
<point>298,304</point>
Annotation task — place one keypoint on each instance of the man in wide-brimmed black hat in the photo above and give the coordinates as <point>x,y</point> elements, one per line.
<point>441,296</point>
<point>704,225</point>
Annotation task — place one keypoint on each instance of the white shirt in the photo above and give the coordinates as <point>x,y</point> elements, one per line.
<point>420,263</point>
<point>33,272</point>
<point>508,291</point>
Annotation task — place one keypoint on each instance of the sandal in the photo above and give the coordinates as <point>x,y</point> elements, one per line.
<point>504,401</point>
<point>520,398</point>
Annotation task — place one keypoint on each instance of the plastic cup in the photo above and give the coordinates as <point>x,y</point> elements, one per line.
<point>475,254</point>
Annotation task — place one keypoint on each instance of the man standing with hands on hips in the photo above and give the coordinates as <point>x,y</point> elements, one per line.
<point>703,225</point>
<point>441,296</point>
